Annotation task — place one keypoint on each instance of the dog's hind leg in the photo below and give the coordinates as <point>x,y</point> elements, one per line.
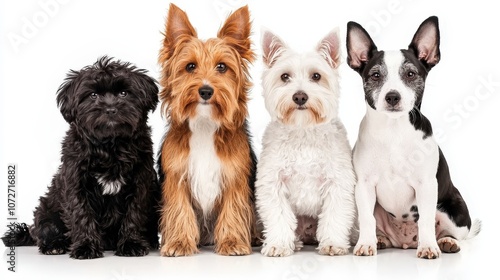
<point>453,221</point>
<point>49,230</point>
<point>383,242</point>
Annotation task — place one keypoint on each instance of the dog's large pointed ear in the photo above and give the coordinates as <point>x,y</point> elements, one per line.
<point>360,46</point>
<point>272,47</point>
<point>329,48</point>
<point>425,43</point>
<point>236,32</point>
<point>178,29</point>
<point>66,96</point>
<point>148,88</point>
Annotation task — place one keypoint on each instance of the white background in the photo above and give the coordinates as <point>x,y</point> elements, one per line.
<point>41,40</point>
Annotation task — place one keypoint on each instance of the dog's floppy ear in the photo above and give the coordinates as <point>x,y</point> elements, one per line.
<point>329,48</point>
<point>236,32</point>
<point>178,29</point>
<point>66,96</point>
<point>425,43</point>
<point>272,47</point>
<point>360,46</point>
<point>148,88</point>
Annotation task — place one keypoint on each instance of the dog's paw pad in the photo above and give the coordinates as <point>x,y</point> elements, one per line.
<point>276,251</point>
<point>85,252</point>
<point>427,252</point>
<point>365,250</point>
<point>448,245</point>
<point>332,251</point>
<point>231,248</point>
<point>178,249</point>
<point>132,249</point>
<point>383,242</point>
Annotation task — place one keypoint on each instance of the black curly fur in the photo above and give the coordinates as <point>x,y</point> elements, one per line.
<point>18,233</point>
<point>75,215</point>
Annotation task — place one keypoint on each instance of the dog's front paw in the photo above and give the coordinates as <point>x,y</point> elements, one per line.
<point>52,250</point>
<point>365,250</point>
<point>428,252</point>
<point>448,245</point>
<point>132,249</point>
<point>178,249</point>
<point>233,248</point>
<point>329,250</point>
<point>86,251</point>
<point>276,251</point>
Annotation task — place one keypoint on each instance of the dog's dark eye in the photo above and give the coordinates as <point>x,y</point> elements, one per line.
<point>375,76</point>
<point>93,95</point>
<point>316,77</point>
<point>190,67</point>
<point>221,67</point>
<point>123,94</point>
<point>411,75</point>
<point>285,77</point>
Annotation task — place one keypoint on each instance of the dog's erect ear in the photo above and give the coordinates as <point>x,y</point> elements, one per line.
<point>148,88</point>
<point>272,47</point>
<point>236,32</point>
<point>329,48</point>
<point>66,96</point>
<point>425,43</point>
<point>178,29</point>
<point>360,46</point>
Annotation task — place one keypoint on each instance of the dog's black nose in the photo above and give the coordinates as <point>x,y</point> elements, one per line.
<point>393,98</point>
<point>300,98</point>
<point>206,92</point>
<point>111,111</point>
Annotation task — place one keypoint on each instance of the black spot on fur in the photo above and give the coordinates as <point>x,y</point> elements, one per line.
<point>416,216</point>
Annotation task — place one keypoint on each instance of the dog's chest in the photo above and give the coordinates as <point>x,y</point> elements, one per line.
<point>204,164</point>
<point>398,159</point>
<point>109,186</point>
<point>307,160</point>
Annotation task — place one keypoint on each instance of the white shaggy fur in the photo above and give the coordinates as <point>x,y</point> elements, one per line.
<point>110,187</point>
<point>204,164</point>
<point>305,166</point>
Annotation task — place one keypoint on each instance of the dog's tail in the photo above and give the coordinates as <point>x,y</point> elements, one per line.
<point>475,228</point>
<point>18,235</point>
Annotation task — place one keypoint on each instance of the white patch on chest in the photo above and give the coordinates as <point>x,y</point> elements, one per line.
<point>110,187</point>
<point>204,164</point>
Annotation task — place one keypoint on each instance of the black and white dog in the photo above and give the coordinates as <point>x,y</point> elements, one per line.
<point>403,177</point>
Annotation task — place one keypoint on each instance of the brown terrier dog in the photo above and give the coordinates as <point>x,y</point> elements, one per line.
<point>207,166</point>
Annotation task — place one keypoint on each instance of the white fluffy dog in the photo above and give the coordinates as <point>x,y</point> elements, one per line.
<point>305,172</point>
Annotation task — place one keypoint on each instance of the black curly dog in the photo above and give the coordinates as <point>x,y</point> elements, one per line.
<point>105,195</point>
